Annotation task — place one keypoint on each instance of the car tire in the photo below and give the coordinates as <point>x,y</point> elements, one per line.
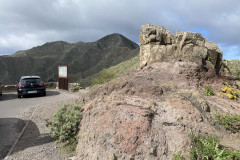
<point>44,94</point>
<point>19,96</point>
<point>1,94</point>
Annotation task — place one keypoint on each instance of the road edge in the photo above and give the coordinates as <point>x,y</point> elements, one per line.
<point>20,135</point>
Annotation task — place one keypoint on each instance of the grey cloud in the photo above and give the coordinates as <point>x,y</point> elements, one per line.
<point>37,22</point>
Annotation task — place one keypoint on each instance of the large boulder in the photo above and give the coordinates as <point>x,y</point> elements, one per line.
<point>158,44</point>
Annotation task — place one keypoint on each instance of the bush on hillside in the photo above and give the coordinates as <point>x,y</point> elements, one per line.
<point>230,122</point>
<point>103,77</point>
<point>75,87</point>
<point>208,90</point>
<point>209,148</point>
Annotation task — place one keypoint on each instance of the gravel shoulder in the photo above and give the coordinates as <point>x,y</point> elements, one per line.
<point>35,142</point>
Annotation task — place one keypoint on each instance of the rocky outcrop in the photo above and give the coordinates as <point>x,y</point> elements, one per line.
<point>158,44</point>
<point>233,67</point>
<point>149,114</point>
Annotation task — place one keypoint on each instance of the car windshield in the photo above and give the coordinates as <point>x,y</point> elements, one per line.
<point>30,80</point>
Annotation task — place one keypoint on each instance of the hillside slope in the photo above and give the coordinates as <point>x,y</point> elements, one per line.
<point>117,71</point>
<point>83,59</point>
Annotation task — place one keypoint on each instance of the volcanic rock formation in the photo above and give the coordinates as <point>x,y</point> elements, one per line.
<point>158,44</point>
<point>149,114</point>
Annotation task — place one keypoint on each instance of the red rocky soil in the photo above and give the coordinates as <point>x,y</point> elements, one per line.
<point>149,114</point>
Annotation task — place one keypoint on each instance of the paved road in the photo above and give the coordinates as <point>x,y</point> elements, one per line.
<point>11,107</point>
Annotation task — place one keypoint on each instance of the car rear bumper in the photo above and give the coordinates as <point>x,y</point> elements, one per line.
<point>39,91</point>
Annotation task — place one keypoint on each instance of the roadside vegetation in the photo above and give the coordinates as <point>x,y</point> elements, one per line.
<point>75,87</point>
<point>230,122</point>
<point>207,147</point>
<point>64,126</point>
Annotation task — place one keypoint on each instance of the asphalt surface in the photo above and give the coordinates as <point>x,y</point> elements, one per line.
<point>12,107</point>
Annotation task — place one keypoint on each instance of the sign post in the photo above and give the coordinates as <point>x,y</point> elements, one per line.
<point>63,77</point>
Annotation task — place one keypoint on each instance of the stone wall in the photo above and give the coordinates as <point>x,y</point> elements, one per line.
<point>51,85</point>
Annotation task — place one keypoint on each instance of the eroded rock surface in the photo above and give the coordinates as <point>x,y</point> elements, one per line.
<point>158,44</point>
<point>149,114</point>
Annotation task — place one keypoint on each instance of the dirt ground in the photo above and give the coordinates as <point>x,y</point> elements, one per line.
<point>35,142</point>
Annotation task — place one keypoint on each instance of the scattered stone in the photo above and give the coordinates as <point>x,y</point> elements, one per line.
<point>153,152</point>
<point>112,157</point>
<point>205,107</point>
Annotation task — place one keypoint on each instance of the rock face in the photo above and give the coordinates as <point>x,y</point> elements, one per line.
<point>149,115</point>
<point>158,44</point>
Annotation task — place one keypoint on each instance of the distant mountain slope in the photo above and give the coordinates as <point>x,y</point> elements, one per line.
<point>117,70</point>
<point>83,59</point>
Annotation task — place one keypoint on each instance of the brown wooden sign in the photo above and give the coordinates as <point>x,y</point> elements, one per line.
<point>63,77</point>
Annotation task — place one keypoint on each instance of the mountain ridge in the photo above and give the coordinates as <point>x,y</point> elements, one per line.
<point>83,58</point>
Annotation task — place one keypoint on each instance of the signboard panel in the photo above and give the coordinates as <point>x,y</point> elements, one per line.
<point>62,72</point>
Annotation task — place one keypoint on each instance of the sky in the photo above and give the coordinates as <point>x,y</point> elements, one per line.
<point>25,24</point>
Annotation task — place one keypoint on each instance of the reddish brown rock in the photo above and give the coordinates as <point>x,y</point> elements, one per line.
<point>154,120</point>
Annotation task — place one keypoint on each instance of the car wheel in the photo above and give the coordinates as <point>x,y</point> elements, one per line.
<point>44,94</point>
<point>1,94</point>
<point>19,96</point>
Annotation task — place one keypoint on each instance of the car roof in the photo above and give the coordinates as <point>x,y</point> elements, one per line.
<point>26,77</point>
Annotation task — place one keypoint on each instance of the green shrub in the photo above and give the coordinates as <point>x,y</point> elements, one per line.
<point>208,58</point>
<point>229,122</point>
<point>178,156</point>
<point>64,126</point>
<point>103,77</point>
<point>205,147</point>
<point>208,148</point>
<point>208,90</point>
<point>225,83</point>
<point>75,87</point>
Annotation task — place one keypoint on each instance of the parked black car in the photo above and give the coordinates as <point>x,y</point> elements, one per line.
<point>30,85</point>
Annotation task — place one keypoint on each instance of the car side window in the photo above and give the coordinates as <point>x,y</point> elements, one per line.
<point>22,81</point>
